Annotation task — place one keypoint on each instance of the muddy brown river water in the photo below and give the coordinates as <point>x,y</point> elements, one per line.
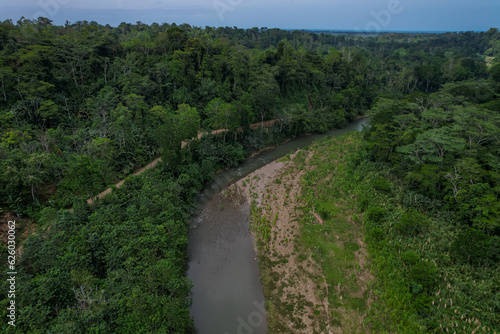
<point>227,292</point>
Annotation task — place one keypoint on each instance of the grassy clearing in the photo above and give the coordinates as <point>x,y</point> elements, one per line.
<point>337,245</point>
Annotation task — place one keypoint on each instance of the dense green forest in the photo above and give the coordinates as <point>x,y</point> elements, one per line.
<point>84,105</point>
<point>428,174</point>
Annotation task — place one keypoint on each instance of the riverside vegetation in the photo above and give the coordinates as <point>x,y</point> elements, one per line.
<point>84,105</point>
<point>422,185</point>
<point>386,258</point>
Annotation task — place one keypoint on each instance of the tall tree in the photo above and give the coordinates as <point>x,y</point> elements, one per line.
<point>223,116</point>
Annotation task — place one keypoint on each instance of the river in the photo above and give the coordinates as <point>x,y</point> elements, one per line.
<point>227,293</point>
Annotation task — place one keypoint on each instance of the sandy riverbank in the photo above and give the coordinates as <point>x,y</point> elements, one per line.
<point>276,191</point>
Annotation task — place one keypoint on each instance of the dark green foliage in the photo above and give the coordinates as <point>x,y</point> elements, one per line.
<point>473,246</point>
<point>382,184</point>
<point>375,214</point>
<point>444,200</point>
<point>422,304</point>
<point>423,273</point>
<point>123,271</point>
<point>122,95</point>
<point>430,266</point>
<point>218,154</point>
<point>85,105</point>
<point>495,74</point>
<point>327,210</point>
<point>376,234</point>
<point>411,223</point>
<point>411,258</point>
<point>84,176</point>
<point>441,150</point>
<point>363,204</point>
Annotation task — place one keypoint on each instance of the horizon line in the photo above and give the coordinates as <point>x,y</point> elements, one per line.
<point>347,30</point>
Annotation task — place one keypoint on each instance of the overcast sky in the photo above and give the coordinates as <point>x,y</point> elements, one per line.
<point>373,15</point>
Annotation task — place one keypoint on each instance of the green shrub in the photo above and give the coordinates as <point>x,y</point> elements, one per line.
<point>474,246</point>
<point>363,204</point>
<point>495,249</point>
<point>411,258</point>
<point>411,223</point>
<point>327,210</point>
<point>416,288</point>
<point>381,184</point>
<point>422,303</point>
<point>376,234</point>
<point>425,274</point>
<point>375,214</point>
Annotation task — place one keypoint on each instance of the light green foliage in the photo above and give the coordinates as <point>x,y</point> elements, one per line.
<point>101,107</point>
<point>428,270</point>
<point>188,121</point>
<point>432,145</point>
<point>335,244</point>
<point>260,226</point>
<point>440,150</point>
<point>222,115</point>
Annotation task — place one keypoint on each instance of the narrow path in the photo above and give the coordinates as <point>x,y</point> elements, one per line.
<point>118,185</point>
<point>266,124</point>
<point>255,126</point>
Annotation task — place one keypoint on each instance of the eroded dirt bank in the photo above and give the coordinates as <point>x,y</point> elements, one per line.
<point>298,287</point>
<point>275,192</point>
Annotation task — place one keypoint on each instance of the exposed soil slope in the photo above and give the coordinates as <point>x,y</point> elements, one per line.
<point>303,294</point>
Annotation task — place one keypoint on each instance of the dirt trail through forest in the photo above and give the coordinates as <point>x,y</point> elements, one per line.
<point>118,185</point>
<point>266,124</point>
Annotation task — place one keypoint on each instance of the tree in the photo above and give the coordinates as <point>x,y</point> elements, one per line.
<point>84,176</point>
<point>265,90</point>
<point>135,103</point>
<point>432,145</point>
<point>176,127</point>
<point>188,122</point>
<point>5,78</point>
<point>429,77</point>
<point>176,38</point>
<point>477,126</point>
<point>223,116</point>
<point>32,171</point>
<point>121,126</point>
<point>101,107</point>
<point>495,76</point>
<point>36,103</point>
